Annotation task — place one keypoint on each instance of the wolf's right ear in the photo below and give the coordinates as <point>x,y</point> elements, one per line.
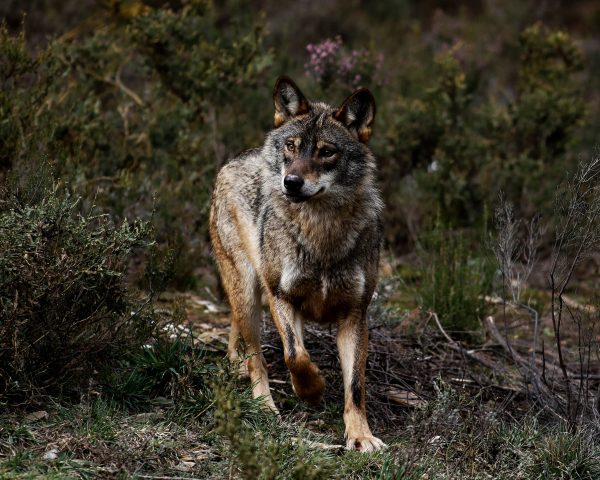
<point>289,100</point>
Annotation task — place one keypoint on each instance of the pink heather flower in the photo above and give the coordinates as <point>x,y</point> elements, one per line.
<point>328,62</point>
<point>322,57</point>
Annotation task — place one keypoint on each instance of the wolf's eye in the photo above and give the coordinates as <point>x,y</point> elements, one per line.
<point>290,146</point>
<point>326,152</point>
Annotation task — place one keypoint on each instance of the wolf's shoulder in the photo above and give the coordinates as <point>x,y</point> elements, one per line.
<point>241,166</point>
<point>241,181</point>
<point>246,158</point>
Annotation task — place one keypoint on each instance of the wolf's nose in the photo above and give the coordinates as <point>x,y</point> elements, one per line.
<point>293,183</point>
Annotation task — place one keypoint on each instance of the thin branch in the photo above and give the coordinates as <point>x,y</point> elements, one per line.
<point>459,348</point>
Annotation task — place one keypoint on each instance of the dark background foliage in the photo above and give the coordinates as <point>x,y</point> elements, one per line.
<point>138,103</point>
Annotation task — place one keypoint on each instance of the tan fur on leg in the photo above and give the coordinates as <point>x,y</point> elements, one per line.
<point>243,291</point>
<point>352,341</point>
<point>233,349</point>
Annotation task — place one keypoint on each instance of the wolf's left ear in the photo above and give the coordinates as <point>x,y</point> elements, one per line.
<point>289,100</point>
<point>357,113</point>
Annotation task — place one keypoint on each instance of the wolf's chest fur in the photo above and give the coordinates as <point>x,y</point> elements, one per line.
<point>319,262</point>
<point>320,294</point>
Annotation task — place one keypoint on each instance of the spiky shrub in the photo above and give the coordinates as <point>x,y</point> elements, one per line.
<point>64,307</point>
<point>260,445</point>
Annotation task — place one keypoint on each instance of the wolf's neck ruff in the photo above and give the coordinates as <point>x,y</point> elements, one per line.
<point>329,230</point>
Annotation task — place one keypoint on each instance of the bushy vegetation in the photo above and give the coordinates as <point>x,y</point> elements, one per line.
<point>64,304</point>
<point>462,146</point>
<point>135,112</point>
<point>141,105</point>
<point>485,443</point>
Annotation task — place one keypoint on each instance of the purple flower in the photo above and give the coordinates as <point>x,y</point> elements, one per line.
<point>329,62</point>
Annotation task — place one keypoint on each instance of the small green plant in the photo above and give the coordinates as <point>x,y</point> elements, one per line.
<point>160,370</point>
<point>455,280</point>
<point>244,444</point>
<point>262,449</point>
<point>98,421</point>
<point>15,434</point>
<point>562,454</point>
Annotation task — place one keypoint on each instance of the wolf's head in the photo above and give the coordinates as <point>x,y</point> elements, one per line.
<point>318,151</point>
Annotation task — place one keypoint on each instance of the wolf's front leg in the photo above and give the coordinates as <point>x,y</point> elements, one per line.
<point>243,292</point>
<point>306,377</point>
<point>352,342</point>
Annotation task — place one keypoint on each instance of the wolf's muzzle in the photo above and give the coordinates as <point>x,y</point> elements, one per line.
<point>293,183</point>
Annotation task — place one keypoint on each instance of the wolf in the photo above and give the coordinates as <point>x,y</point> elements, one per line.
<point>300,220</point>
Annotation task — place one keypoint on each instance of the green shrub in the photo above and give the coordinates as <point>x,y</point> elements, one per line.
<point>64,306</point>
<point>461,145</point>
<point>268,452</point>
<point>456,278</point>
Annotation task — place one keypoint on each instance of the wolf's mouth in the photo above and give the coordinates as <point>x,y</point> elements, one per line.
<point>301,198</point>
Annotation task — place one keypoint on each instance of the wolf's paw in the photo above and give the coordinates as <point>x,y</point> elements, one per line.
<point>366,443</point>
<point>241,364</point>
<point>269,406</point>
<point>307,380</point>
<point>309,387</point>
